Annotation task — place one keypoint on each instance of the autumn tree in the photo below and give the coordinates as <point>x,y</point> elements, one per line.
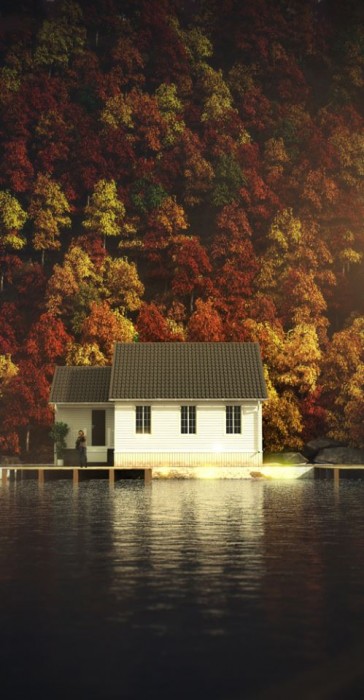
<point>9,441</point>
<point>7,370</point>
<point>152,326</point>
<point>25,407</point>
<point>49,211</point>
<point>293,363</point>
<point>61,38</point>
<point>205,324</point>
<point>47,343</point>
<point>122,286</point>
<point>293,271</point>
<point>235,262</point>
<point>342,383</point>
<point>73,286</point>
<point>165,224</point>
<point>105,213</point>
<point>192,269</point>
<point>104,326</point>
<point>12,220</point>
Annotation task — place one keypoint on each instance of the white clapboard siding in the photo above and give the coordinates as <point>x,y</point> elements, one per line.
<point>165,463</point>
<point>166,444</point>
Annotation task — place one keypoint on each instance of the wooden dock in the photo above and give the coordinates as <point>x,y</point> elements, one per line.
<point>44,472</point>
<point>335,469</point>
<point>77,474</point>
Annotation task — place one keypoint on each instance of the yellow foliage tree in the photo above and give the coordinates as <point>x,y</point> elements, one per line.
<point>66,281</point>
<point>282,421</point>
<point>12,220</point>
<point>60,39</point>
<point>218,100</point>
<point>170,217</point>
<point>171,108</point>
<point>117,112</point>
<point>7,370</point>
<point>105,213</point>
<point>295,361</point>
<point>342,383</point>
<point>122,286</point>
<point>87,354</point>
<point>354,407</point>
<point>49,210</point>
<point>293,270</point>
<point>292,363</point>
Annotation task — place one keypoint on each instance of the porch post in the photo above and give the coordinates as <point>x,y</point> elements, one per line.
<point>147,476</point>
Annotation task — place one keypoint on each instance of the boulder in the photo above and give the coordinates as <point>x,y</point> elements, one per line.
<point>292,458</point>
<point>340,455</point>
<point>311,448</point>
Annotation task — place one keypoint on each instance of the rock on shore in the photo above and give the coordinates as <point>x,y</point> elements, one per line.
<point>339,455</point>
<point>322,450</point>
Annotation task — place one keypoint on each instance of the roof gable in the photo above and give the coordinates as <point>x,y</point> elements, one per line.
<point>187,371</point>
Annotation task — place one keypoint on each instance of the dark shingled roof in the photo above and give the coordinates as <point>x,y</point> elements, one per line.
<point>80,385</point>
<point>147,371</point>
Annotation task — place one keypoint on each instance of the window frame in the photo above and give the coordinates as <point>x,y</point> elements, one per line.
<point>188,420</point>
<point>143,419</point>
<point>233,419</point>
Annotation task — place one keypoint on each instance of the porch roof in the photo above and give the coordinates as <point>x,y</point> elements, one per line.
<point>80,385</point>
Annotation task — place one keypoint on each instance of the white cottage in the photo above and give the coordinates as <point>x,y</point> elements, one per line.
<point>175,407</point>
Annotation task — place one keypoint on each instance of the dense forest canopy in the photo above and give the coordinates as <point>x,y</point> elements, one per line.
<point>184,170</point>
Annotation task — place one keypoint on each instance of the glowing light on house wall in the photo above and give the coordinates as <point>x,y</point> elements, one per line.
<point>217,447</point>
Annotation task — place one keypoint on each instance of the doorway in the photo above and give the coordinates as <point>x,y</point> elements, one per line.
<point>98,427</point>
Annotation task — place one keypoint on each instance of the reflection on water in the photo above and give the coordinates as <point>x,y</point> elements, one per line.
<point>182,588</point>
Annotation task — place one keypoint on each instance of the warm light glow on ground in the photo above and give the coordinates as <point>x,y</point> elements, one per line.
<point>209,473</point>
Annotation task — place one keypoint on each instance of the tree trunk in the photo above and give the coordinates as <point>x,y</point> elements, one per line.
<point>192,300</point>
<point>27,439</point>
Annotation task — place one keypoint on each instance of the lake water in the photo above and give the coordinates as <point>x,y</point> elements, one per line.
<point>182,589</point>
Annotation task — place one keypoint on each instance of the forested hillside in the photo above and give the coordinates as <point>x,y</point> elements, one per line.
<point>179,170</point>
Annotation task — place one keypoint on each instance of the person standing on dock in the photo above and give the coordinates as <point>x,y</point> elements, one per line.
<point>81,447</point>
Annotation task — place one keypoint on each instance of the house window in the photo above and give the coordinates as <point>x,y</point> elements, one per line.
<point>142,419</point>
<point>188,419</point>
<point>233,419</point>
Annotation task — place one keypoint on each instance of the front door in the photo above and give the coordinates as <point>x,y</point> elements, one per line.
<point>98,427</point>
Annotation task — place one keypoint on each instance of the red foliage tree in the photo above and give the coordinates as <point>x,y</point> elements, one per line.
<point>152,326</point>
<point>205,323</point>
